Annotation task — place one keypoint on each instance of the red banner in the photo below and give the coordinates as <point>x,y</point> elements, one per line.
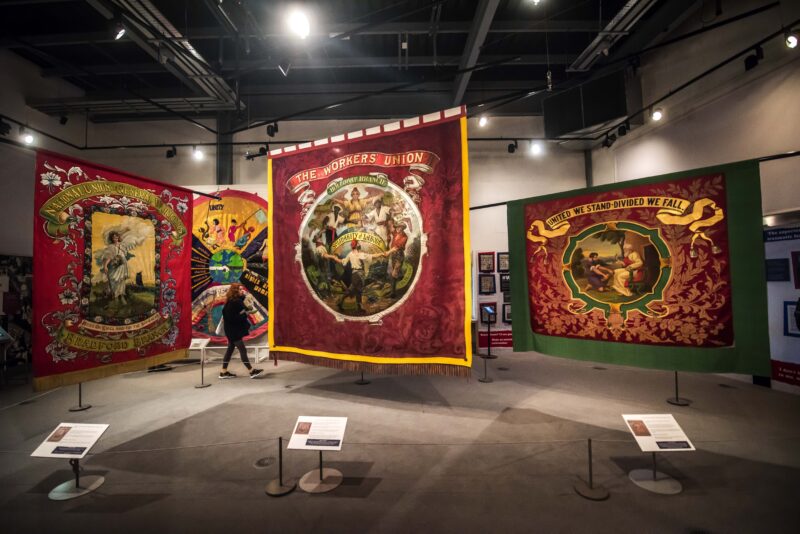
<point>642,264</point>
<point>111,264</point>
<point>369,248</point>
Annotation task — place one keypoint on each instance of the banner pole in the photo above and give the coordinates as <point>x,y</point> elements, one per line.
<point>80,407</point>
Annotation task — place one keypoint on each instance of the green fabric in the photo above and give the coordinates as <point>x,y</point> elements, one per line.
<point>750,352</point>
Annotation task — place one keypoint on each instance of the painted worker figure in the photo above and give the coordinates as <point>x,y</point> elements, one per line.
<point>357,259</point>
<point>397,254</point>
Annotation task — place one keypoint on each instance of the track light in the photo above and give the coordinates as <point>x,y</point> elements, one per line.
<point>512,147</point>
<point>483,121</point>
<point>536,149</point>
<point>272,129</point>
<point>751,61</point>
<point>791,38</point>
<point>298,24</point>
<point>172,152</point>
<point>118,30</point>
<point>657,114</point>
<point>197,154</point>
<point>63,120</point>
<point>609,140</point>
<point>623,129</point>
<point>284,65</point>
<point>5,128</point>
<point>25,136</point>
<point>262,150</point>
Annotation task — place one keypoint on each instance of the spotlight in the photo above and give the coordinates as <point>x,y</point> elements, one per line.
<point>262,150</point>
<point>483,121</point>
<point>119,31</point>
<point>536,2</point>
<point>657,114</point>
<point>609,140</point>
<point>172,152</point>
<point>536,149</point>
<point>512,147</point>
<point>284,65</point>
<point>25,136</point>
<point>197,154</point>
<point>298,24</point>
<point>63,120</point>
<point>751,61</point>
<point>272,129</point>
<point>623,129</point>
<point>791,38</point>
<point>5,128</point>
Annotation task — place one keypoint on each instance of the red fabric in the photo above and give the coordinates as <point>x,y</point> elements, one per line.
<point>70,331</point>
<point>682,297</point>
<point>431,321</point>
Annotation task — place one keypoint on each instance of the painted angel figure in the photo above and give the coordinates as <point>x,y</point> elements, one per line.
<point>113,259</point>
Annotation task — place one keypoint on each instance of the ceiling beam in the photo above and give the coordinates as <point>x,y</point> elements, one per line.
<point>309,64</point>
<point>392,28</point>
<point>481,22</point>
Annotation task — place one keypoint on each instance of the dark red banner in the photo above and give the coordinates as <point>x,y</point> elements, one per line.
<point>369,251</point>
<point>111,264</point>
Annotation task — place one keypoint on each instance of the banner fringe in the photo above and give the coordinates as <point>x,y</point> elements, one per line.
<point>44,383</point>
<point>377,368</point>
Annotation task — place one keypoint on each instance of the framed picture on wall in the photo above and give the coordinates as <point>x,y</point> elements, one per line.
<point>488,312</point>
<point>789,320</point>
<point>503,262</point>
<point>486,262</point>
<point>507,313</point>
<point>796,268</point>
<point>487,284</point>
<point>505,282</point>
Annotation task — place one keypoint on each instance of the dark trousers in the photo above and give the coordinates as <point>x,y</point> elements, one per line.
<point>239,344</point>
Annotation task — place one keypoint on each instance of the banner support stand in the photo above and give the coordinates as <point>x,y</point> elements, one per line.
<point>361,381</point>
<point>589,491</point>
<point>276,488</point>
<point>655,481</point>
<point>80,407</point>
<point>677,400</point>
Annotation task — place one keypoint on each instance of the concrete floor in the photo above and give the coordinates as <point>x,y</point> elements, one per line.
<point>421,454</point>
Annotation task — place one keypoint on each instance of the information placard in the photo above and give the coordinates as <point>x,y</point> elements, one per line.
<point>657,432</point>
<point>70,440</point>
<point>318,433</point>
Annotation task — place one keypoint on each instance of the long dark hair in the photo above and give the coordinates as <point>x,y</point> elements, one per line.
<point>234,292</point>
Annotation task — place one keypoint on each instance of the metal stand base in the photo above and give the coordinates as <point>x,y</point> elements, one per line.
<point>159,368</point>
<point>487,356</point>
<point>311,483</point>
<point>596,493</point>
<point>661,483</point>
<point>198,386</point>
<point>68,490</point>
<point>362,381</point>
<point>679,401</point>
<point>80,407</point>
<point>275,489</point>
<point>485,380</point>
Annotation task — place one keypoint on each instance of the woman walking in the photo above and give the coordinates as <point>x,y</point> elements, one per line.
<point>234,317</point>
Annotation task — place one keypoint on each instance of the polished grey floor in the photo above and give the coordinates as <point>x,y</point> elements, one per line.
<point>422,454</point>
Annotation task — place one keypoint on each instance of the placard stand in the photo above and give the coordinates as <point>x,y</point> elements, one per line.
<point>202,383</point>
<point>361,381</point>
<point>655,481</point>
<point>488,354</point>
<point>677,400</point>
<point>485,379</point>
<point>321,480</point>
<point>589,491</point>
<point>80,407</point>
<point>70,490</point>
<point>277,488</point>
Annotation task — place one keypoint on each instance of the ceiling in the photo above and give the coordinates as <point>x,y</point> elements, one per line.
<point>220,59</point>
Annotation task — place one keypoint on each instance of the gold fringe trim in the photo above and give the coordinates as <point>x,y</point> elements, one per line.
<point>399,368</point>
<point>44,383</point>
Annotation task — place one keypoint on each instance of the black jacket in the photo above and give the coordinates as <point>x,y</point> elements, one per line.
<point>235,319</point>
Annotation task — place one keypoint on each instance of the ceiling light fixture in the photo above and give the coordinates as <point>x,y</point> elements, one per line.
<point>298,24</point>
<point>536,148</point>
<point>197,154</point>
<point>751,61</point>
<point>790,38</point>
<point>25,136</point>
<point>623,129</point>
<point>5,128</point>
<point>119,31</point>
<point>172,152</point>
<point>284,65</point>
<point>272,129</point>
<point>483,121</point>
<point>63,120</point>
<point>657,114</point>
<point>512,147</point>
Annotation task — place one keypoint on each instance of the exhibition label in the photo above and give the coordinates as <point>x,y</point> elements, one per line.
<point>70,440</point>
<point>318,433</point>
<point>657,433</point>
